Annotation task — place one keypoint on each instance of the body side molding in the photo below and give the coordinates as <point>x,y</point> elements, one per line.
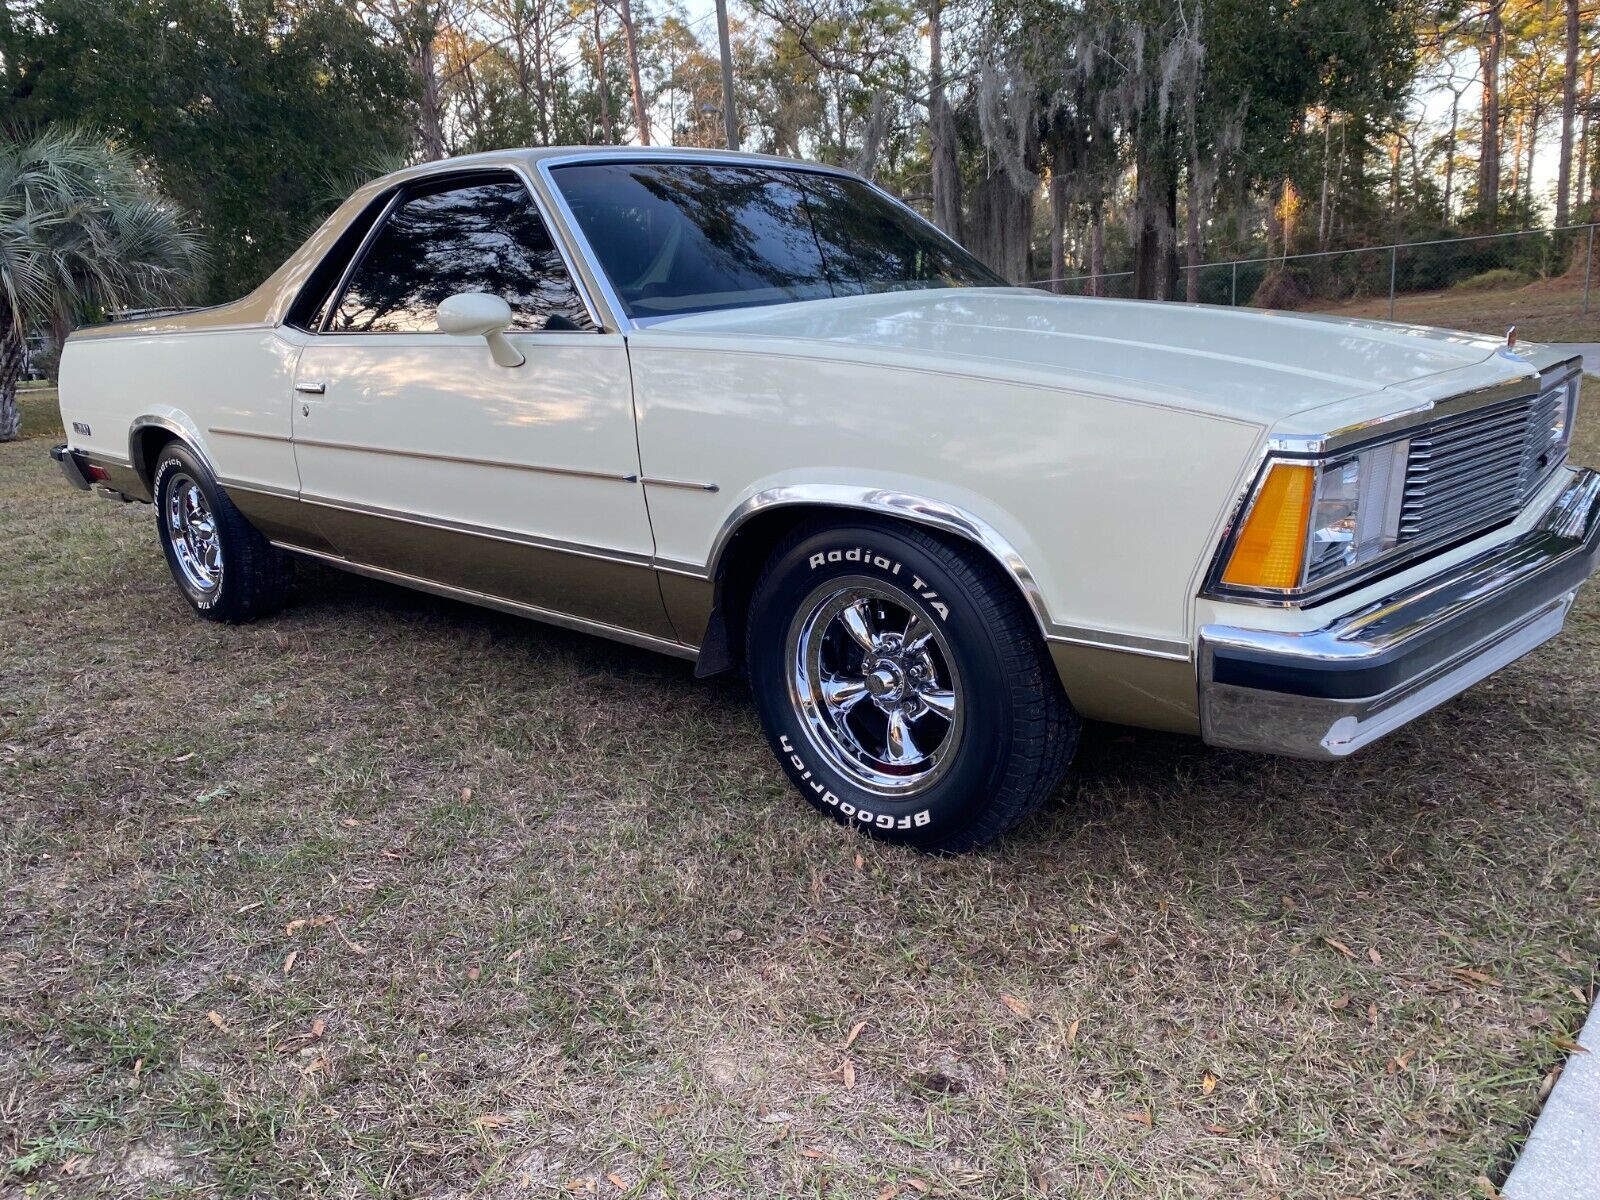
<point>548,616</point>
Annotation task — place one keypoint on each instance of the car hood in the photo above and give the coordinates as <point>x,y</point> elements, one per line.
<point>1248,364</point>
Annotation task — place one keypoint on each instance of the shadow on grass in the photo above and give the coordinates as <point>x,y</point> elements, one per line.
<point>1132,780</point>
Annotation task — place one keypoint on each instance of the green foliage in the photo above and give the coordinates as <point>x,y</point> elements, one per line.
<point>243,110</point>
<point>1493,280</point>
<point>81,234</point>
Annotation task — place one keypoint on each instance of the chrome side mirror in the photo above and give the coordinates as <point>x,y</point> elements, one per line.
<point>487,316</point>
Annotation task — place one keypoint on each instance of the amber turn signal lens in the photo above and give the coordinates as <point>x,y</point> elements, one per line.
<point>1271,548</point>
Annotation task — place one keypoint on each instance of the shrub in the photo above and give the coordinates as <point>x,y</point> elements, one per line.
<point>1284,287</point>
<point>1497,279</point>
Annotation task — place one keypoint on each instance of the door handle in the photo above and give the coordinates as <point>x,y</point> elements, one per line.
<point>311,389</point>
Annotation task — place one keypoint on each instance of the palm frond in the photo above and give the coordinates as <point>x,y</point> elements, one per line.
<point>82,233</point>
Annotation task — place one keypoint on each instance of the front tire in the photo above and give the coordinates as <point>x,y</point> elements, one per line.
<point>223,566</point>
<point>904,687</point>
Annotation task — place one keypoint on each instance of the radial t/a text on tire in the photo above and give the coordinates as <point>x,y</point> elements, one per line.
<point>904,685</point>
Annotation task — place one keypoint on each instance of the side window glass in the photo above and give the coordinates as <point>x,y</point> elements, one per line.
<point>483,237</point>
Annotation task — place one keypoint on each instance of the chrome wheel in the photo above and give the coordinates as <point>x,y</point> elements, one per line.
<point>192,530</point>
<point>875,685</point>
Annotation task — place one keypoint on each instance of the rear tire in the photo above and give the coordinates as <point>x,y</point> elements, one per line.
<point>223,566</point>
<point>904,686</point>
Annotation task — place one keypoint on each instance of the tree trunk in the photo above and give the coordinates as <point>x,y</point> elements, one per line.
<point>1322,200</point>
<point>1394,188</point>
<point>1582,180</point>
<point>1450,153</point>
<point>1569,111</point>
<point>1192,275</point>
<point>641,117</point>
<point>1517,142</point>
<point>1058,225</point>
<point>1097,253</point>
<point>1155,249</point>
<point>1489,156</point>
<point>603,93</point>
<point>941,132</point>
<point>1533,143</point>
<point>11,354</point>
<point>431,107</point>
<point>1000,226</point>
<point>730,115</point>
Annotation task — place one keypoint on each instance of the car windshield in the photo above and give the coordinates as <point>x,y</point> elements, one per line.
<point>693,237</point>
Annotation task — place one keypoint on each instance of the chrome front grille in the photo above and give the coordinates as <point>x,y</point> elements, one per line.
<point>1474,471</point>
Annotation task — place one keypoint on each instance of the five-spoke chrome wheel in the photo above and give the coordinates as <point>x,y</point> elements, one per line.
<point>192,528</point>
<point>875,685</point>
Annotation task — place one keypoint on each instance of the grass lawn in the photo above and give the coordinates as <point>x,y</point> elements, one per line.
<point>1550,311</point>
<point>394,896</point>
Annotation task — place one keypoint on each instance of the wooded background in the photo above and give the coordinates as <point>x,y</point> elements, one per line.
<point>1053,137</point>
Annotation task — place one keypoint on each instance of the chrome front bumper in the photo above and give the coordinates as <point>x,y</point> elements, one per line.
<point>1328,692</point>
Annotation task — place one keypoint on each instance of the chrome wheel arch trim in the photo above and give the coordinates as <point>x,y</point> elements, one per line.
<point>176,424</point>
<point>935,514</point>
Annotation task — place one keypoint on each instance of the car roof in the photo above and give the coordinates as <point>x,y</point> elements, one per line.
<point>530,156</point>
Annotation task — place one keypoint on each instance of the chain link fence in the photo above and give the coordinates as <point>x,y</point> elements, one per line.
<point>1543,277</point>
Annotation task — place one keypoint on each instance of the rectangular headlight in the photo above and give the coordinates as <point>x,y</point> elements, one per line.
<point>1357,513</point>
<point>1566,417</point>
<point>1309,522</point>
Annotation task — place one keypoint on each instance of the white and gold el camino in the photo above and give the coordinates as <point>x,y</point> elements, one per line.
<point>756,413</point>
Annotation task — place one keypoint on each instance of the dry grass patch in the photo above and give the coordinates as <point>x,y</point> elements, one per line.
<point>1548,311</point>
<point>392,896</point>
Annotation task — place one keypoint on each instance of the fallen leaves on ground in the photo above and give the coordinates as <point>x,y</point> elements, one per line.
<point>1020,1007</point>
<point>1339,946</point>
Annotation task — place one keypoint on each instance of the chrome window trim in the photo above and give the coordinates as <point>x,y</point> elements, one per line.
<point>546,165</point>
<point>517,170</point>
<point>337,294</point>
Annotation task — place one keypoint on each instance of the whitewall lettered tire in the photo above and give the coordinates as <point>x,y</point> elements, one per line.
<point>904,685</point>
<point>223,566</point>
